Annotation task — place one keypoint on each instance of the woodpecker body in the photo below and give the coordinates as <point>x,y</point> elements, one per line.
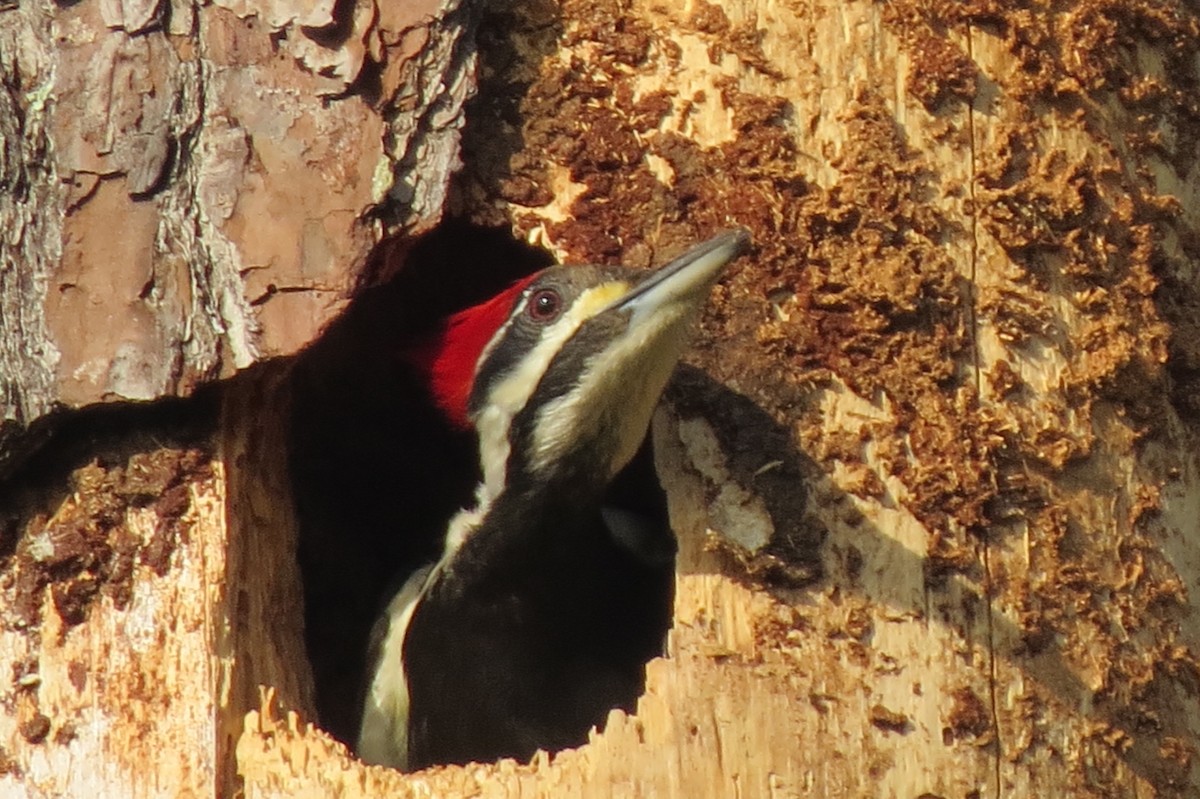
<point>548,599</point>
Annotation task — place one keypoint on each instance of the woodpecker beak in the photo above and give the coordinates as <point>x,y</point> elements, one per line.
<point>632,343</point>
<point>685,280</point>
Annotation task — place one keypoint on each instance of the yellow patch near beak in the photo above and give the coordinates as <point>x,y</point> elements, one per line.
<point>597,298</point>
<point>512,393</point>
<point>619,385</point>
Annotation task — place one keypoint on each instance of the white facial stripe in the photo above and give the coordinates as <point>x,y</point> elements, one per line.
<point>464,522</point>
<point>514,389</point>
<point>618,387</point>
<point>383,732</point>
<point>621,385</point>
<point>503,331</point>
<point>492,426</point>
<point>511,394</point>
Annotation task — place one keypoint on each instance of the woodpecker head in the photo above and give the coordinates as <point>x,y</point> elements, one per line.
<point>559,376</point>
<point>560,373</point>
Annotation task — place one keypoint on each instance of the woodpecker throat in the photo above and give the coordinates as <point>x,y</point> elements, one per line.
<point>549,597</point>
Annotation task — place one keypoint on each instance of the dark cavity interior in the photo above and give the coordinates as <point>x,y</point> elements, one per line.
<point>375,471</point>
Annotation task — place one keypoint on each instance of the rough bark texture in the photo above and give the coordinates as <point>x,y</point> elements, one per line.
<point>186,188</point>
<point>935,481</point>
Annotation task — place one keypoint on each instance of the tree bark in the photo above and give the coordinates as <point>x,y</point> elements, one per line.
<point>932,464</point>
<point>191,187</point>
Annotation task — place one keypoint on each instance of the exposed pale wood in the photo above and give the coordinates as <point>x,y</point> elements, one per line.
<point>1107,567</point>
<point>145,696</point>
<point>755,698</point>
<point>1015,530</point>
<point>125,703</point>
<point>972,310</point>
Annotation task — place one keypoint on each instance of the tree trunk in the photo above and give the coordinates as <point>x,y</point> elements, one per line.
<point>931,465</point>
<point>191,187</point>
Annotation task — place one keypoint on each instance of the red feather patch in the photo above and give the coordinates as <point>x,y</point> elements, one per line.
<point>447,359</point>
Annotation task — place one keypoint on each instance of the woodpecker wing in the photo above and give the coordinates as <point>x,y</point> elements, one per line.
<point>562,396</point>
<point>380,740</point>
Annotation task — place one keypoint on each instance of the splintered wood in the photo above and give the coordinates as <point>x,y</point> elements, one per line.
<point>965,219</point>
<point>121,702</point>
<point>933,465</point>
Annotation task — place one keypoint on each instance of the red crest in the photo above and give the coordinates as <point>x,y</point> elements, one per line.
<point>447,358</point>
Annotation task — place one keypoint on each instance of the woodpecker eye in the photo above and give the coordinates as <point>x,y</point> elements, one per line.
<point>545,305</point>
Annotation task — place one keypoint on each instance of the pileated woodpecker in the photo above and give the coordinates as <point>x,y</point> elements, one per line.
<point>540,614</point>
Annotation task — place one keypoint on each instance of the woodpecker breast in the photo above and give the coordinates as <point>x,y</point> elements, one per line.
<point>545,605</point>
